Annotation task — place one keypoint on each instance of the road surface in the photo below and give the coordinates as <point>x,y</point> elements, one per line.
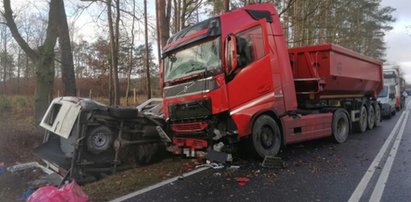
<point>372,166</point>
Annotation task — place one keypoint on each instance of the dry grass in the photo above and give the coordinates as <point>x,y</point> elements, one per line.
<point>128,181</point>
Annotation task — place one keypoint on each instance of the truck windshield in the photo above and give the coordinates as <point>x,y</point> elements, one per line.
<point>202,57</point>
<point>384,92</point>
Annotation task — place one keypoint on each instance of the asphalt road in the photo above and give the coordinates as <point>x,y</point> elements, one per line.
<point>372,166</point>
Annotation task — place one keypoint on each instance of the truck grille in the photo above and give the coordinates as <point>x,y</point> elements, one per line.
<point>189,127</point>
<point>190,110</point>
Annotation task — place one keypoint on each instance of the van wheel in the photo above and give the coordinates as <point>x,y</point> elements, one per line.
<point>371,117</point>
<point>266,136</point>
<point>361,124</point>
<point>340,127</point>
<point>377,115</point>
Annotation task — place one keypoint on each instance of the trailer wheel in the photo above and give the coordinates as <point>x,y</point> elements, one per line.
<point>371,117</point>
<point>361,124</point>
<point>340,126</point>
<point>266,136</point>
<point>377,115</point>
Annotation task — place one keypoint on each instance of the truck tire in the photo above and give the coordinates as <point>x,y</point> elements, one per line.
<point>377,115</point>
<point>371,117</point>
<point>266,136</point>
<point>340,126</point>
<point>361,124</point>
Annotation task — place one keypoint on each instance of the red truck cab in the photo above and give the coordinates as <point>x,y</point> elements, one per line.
<point>229,77</point>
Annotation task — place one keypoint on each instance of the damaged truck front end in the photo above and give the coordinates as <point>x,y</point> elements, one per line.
<point>86,140</point>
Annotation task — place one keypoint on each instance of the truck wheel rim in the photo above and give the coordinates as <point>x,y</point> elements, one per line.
<point>267,139</point>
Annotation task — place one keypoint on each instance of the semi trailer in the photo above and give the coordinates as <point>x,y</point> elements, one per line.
<point>232,77</point>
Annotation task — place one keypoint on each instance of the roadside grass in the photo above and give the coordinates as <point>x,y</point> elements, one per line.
<point>115,186</point>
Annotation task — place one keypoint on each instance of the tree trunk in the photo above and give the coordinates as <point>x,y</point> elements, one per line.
<point>43,57</point>
<point>146,59</point>
<point>226,6</point>
<point>112,50</point>
<point>5,58</point>
<point>164,20</point>
<point>130,63</point>
<point>116,85</point>
<point>67,65</point>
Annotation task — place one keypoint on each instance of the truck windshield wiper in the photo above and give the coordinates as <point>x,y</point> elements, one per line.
<point>195,69</point>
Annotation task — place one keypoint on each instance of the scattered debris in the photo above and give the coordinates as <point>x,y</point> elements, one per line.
<point>242,180</point>
<point>211,165</point>
<point>2,170</point>
<point>221,157</point>
<point>273,162</point>
<point>233,168</point>
<point>51,179</point>
<point>70,192</point>
<point>25,166</point>
<point>26,194</point>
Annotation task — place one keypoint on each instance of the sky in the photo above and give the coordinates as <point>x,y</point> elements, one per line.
<point>398,40</point>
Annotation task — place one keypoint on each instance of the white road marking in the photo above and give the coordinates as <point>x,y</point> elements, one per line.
<point>155,186</point>
<point>382,180</point>
<point>359,190</point>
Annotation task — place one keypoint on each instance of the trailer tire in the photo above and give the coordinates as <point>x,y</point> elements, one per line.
<point>371,117</point>
<point>266,136</point>
<point>377,115</point>
<point>340,126</point>
<point>361,124</point>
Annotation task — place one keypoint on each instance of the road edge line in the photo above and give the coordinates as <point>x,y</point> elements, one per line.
<point>362,185</point>
<point>382,179</point>
<point>155,186</point>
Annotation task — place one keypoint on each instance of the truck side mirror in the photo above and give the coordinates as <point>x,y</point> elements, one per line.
<point>392,96</point>
<point>231,53</point>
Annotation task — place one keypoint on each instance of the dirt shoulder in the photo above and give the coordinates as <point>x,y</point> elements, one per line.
<point>132,180</point>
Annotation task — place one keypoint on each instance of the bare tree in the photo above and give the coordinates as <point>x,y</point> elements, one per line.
<point>114,49</point>
<point>43,56</point>
<point>164,16</point>
<point>67,66</point>
<point>146,59</point>
<point>130,62</point>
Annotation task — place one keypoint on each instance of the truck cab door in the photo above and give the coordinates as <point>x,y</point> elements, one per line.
<point>249,75</point>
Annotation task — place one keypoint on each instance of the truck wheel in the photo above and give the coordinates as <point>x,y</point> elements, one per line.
<point>371,117</point>
<point>377,115</point>
<point>361,124</point>
<point>266,136</point>
<point>340,126</point>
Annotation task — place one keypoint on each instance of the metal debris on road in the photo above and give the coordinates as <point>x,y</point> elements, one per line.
<point>273,162</point>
